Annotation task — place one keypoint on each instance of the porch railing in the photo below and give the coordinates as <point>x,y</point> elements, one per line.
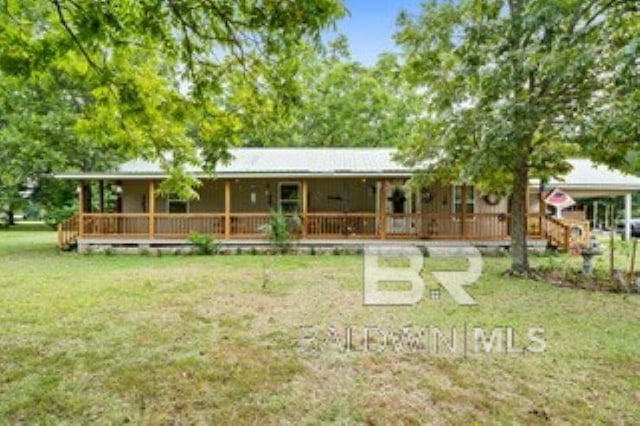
<point>341,225</point>
<point>476,226</point>
<point>170,225</point>
<point>566,234</point>
<point>114,224</point>
<point>67,231</point>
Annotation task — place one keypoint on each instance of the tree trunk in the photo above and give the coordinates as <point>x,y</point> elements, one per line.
<point>10,218</point>
<point>519,253</point>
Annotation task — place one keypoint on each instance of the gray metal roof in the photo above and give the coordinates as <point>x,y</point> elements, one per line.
<point>587,173</point>
<point>293,160</point>
<point>272,162</point>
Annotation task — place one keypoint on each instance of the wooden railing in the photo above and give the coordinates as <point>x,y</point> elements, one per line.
<point>67,232</point>
<point>114,224</point>
<point>341,225</point>
<point>566,233</point>
<point>459,226</point>
<point>535,222</point>
<point>170,225</point>
<point>247,225</point>
<point>489,226</point>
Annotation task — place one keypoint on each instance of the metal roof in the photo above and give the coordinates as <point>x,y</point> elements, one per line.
<point>586,173</point>
<point>276,162</point>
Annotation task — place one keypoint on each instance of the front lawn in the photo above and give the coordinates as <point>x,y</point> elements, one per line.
<point>117,338</point>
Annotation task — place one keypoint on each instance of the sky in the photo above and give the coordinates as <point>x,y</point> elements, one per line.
<point>371,25</point>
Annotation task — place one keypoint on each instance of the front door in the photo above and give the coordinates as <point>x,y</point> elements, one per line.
<point>399,209</point>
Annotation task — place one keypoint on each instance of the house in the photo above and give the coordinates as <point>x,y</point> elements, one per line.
<point>341,195</point>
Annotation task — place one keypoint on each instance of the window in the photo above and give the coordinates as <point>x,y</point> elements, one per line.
<point>289,197</point>
<point>176,205</point>
<point>469,203</point>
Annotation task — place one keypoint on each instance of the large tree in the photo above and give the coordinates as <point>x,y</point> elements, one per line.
<point>341,103</point>
<point>513,87</point>
<point>152,72</point>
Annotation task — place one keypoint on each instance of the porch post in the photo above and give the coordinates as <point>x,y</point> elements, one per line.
<point>81,209</point>
<point>541,211</point>
<point>101,186</point>
<point>227,209</point>
<point>463,206</point>
<point>152,209</point>
<point>305,190</point>
<point>627,217</point>
<point>595,215</point>
<point>382,216</point>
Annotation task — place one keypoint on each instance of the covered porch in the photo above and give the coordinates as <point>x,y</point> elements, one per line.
<point>327,209</point>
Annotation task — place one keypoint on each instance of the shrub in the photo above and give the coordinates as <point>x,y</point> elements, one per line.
<point>279,229</point>
<point>204,244</point>
<point>57,215</point>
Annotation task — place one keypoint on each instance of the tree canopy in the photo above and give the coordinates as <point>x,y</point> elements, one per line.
<point>341,103</point>
<point>83,79</point>
<point>513,87</point>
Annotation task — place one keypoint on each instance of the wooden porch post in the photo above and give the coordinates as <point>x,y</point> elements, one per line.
<point>227,209</point>
<point>152,209</point>
<point>382,215</point>
<point>305,191</point>
<point>81,209</point>
<point>101,186</point>
<point>463,207</point>
<point>541,211</point>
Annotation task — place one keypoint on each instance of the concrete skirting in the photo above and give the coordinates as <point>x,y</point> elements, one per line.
<point>145,245</point>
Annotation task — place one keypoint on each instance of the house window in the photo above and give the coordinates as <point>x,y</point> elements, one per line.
<point>176,205</point>
<point>469,205</point>
<point>289,197</point>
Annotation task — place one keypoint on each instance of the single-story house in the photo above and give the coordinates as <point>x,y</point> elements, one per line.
<point>338,194</point>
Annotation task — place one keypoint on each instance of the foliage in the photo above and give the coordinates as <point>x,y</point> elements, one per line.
<point>341,103</point>
<point>165,81</point>
<point>512,88</point>
<point>56,215</point>
<point>281,228</point>
<point>204,244</point>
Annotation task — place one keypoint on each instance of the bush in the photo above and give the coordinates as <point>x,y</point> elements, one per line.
<point>279,229</point>
<point>57,215</point>
<point>204,244</point>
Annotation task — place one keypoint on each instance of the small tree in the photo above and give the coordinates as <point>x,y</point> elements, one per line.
<point>281,228</point>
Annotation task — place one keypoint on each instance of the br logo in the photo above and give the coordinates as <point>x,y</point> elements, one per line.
<point>409,271</point>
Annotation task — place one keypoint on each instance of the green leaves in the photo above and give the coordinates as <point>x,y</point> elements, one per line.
<point>507,83</point>
<point>112,80</point>
<point>340,103</point>
<point>515,87</point>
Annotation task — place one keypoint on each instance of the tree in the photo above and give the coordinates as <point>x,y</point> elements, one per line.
<point>513,87</point>
<point>152,71</point>
<point>340,103</point>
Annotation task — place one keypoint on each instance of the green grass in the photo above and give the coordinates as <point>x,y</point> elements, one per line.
<point>194,339</point>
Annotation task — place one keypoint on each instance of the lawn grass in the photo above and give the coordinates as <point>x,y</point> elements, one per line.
<point>195,339</point>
